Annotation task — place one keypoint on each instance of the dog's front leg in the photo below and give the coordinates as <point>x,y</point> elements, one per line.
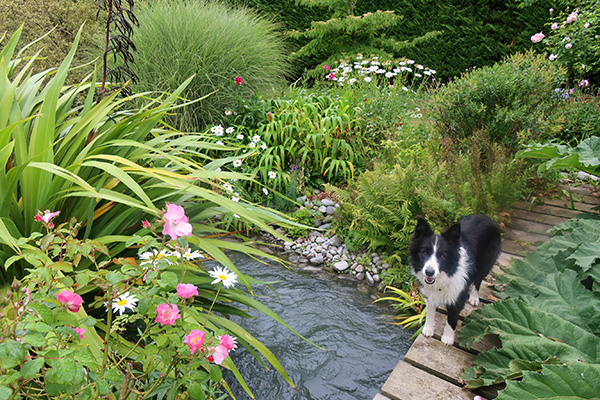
<point>429,326</point>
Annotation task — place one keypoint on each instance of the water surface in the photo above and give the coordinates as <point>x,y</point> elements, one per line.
<point>336,314</point>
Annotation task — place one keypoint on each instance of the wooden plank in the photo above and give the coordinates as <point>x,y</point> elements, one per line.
<point>379,396</point>
<point>504,258</point>
<point>486,343</point>
<point>567,204</point>
<point>407,382</point>
<point>550,220</point>
<point>546,209</point>
<point>446,362</point>
<point>517,248</point>
<point>525,237</point>
<point>530,226</point>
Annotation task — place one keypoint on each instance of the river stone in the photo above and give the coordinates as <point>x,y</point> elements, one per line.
<point>370,280</point>
<point>294,259</point>
<point>360,276</point>
<point>318,259</point>
<point>328,219</point>
<point>360,268</point>
<point>335,241</point>
<point>323,210</point>
<point>326,202</point>
<point>320,239</point>
<point>376,278</point>
<point>324,226</point>
<point>330,210</point>
<point>341,266</point>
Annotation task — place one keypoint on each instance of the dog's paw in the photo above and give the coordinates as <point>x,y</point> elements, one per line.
<point>448,338</point>
<point>474,300</point>
<point>427,331</point>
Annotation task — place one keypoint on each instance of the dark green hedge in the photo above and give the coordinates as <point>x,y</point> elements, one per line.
<point>476,32</point>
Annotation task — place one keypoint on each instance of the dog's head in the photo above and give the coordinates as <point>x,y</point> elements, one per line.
<point>433,254</point>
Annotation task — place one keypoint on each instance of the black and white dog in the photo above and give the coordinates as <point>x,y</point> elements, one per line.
<point>447,264</point>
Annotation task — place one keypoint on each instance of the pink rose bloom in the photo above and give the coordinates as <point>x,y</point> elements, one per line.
<point>568,45</point>
<point>80,332</point>
<point>554,25</point>
<point>220,354</point>
<point>186,290</point>
<point>71,300</point>
<point>552,57</point>
<point>537,37</point>
<point>195,340</point>
<point>238,80</point>
<point>586,25</point>
<point>176,223</point>
<point>572,17</point>
<point>167,314</point>
<point>227,342</point>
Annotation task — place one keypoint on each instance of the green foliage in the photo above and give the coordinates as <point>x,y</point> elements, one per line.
<point>513,102</point>
<point>581,113</point>
<point>548,322</point>
<point>306,218</point>
<point>177,39</point>
<point>585,157</point>
<point>62,19</point>
<point>409,305</point>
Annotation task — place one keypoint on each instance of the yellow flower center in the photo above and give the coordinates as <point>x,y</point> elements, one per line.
<point>223,277</point>
<point>122,302</point>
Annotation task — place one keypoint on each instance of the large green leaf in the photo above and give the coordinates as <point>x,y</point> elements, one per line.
<point>577,380</point>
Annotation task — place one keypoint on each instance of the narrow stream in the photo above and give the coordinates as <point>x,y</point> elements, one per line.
<point>336,314</point>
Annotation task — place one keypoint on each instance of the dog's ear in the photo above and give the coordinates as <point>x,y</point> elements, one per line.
<point>452,234</point>
<point>423,228</point>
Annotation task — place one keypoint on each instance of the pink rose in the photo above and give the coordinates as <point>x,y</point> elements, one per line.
<point>238,80</point>
<point>586,25</point>
<point>568,45</point>
<point>219,354</point>
<point>195,340</point>
<point>537,37</point>
<point>227,342</point>
<point>167,314</point>
<point>572,17</point>
<point>552,57</point>
<point>176,223</point>
<point>71,300</point>
<point>554,25</point>
<point>186,290</point>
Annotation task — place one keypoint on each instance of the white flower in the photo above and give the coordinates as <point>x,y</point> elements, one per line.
<point>192,255</point>
<point>265,191</point>
<point>124,302</point>
<point>217,130</point>
<point>235,198</point>
<point>237,163</point>
<point>152,257</point>
<point>223,275</point>
<point>252,145</point>
<point>351,81</point>
<point>228,112</point>
<point>405,88</point>
<point>263,146</point>
<point>219,143</point>
<point>272,174</point>
<point>389,74</point>
<point>228,187</point>
<point>229,130</point>
<point>367,79</point>
<point>256,138</point>
<point>240,137</point>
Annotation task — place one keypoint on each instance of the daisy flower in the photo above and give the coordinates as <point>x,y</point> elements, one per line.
<point>153,257</point>
<point>263,146</point>
<point>191,255</point>
<point>223,275</point>
<point>252,145</point>
<point>256,138</point>
<point>237,163</point>
<point>228,112</point>
<point>124,302</point>
<point>235,198</point>
<point>229,130</point>
<point>265,191</point>
<point>228,187</point>
<point>272,174</point>
<point>219,143</point>
<point>368,79</point>
<point>240,137</point>
<point>217,130</point>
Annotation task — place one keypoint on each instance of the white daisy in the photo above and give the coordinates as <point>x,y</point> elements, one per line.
<point>235,198</point>
<point>223,275</point>
<point>217,130</point>
<point>265,191</point>
<point>228,187</point>
<point>191,255</point>
<point>237,163</point>
<point>368,79</point>
<point>229,130</point>
<point>153,257</point>
<point>124,302</point>
<point>228,112</point>
<point>218,142</point>
<point>240,137</point>
<point>252,145</point>
<point>263,146</point>
<point>256,138</point>
<point>272,174</point>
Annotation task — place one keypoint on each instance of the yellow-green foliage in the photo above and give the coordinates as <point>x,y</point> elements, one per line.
<point>65,17</point>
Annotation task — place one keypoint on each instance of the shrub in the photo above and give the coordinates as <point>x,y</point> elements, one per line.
<point>177,39</point>
<point>514,102</point>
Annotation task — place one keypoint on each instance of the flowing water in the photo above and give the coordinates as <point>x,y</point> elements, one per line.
<point>336,314</point>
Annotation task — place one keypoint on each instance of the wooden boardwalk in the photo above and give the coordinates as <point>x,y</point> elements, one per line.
<point>432,370</point>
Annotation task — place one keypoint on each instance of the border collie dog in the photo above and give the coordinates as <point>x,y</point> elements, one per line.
<point>447,264</point>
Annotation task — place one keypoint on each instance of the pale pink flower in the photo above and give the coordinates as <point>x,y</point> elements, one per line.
<point>195,340</point>
<point>238,80</point>
<point>219,354</point>
<point>552,57</point>
<point>568,45</point>
<point>186,290</point>
<point>176,222</point>
<point>47,216</point>
<point>572,17</point>
<point>586,25</point>
<point>584,83</point>
<point>554,25</point>
<point>146,224</point>
<point>537,37</point>
<point>80,332</point>
<point>70,299</point>
<point>167,314</point>
<point>28,293</point>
